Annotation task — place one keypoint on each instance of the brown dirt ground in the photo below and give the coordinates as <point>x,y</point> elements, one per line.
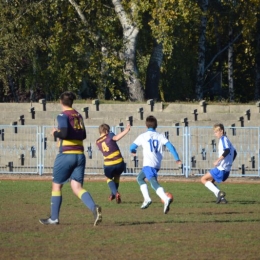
<point>125,178</point>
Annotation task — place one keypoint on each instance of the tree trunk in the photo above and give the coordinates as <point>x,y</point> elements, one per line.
<point>231,67</point>
<point>201,51</point>
<point>257,68</point>
<point>13,97</point>
<point>130,32</point>
<point>220,58</point>
<point>153,72</point>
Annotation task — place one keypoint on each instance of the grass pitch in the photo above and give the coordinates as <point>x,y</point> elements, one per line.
<point>195,227</point>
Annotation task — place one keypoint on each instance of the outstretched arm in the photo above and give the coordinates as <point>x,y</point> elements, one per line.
<point>173,152</point>
<point>122,134</point>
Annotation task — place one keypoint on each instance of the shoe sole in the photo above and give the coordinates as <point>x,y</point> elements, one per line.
<point>99,216</point>
<point>220,196</point>
<point>118,199</point>
<point>56,223</point>
<point>168,207</point>
<point>223,201</point>
<point>147,205</point>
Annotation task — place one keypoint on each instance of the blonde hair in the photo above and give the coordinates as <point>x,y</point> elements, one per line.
<point>104,128</point>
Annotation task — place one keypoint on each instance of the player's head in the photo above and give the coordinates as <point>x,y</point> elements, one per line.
<point>67,98</point>
<point>104,129</point>
<point>219,128</point>
<point>151,122</point>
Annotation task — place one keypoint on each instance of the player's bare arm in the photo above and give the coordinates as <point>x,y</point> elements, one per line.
<point>122,134</point>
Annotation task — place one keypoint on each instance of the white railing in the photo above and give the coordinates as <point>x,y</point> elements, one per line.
<point>32,150</point>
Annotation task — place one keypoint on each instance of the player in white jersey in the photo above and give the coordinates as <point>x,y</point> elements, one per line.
<point>226,155</point>
<point>152,143</point>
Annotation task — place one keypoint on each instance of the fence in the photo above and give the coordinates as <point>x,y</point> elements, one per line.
<point>32,150</point>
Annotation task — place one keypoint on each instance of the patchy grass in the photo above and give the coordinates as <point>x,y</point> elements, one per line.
<point>195,227</point>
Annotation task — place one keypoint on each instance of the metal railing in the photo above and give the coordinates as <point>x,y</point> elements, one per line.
<point>32,150</point>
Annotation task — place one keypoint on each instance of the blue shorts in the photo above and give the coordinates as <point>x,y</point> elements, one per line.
<point>150,172</point>
<point>219,175</point>
<point>112,170</point>
<point>69,166</point>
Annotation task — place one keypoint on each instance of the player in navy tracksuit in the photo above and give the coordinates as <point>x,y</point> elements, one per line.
<point>113,160</point>
<point>70,162</point>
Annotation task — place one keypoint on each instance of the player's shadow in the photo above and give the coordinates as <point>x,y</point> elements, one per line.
<point>246,202</point>
<point>134,223</point>
<point>243,202</point>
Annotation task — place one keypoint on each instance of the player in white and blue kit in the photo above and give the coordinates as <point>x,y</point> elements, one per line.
<point>226,155</point>
<point>152,143</point>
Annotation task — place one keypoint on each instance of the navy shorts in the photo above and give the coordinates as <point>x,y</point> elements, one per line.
<point>69,167</point>
<point>219,175</point>
<point>112,170</point>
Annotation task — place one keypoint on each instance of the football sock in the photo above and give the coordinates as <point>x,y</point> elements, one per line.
<point>117,180</point>
<point>212,187</point>
<point>145,192</point>
<point>87,199</point>
<point>56,200</point>
<point>160,192</point>
<point>112,186</point>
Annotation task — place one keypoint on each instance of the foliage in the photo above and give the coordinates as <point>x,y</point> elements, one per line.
<point>47,47</point>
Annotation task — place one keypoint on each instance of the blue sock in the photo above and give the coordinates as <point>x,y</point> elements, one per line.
<point>117,181</point>
<point>87,199</point>
<point>56,200</point>
<point>112,186</point>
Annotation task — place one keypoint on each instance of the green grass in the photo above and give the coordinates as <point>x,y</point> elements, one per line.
<point>195,227</point>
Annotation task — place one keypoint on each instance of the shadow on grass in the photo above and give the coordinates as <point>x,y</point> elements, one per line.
<point>245,202</point>
<point>134,223</point>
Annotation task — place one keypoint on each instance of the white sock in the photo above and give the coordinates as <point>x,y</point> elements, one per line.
<point>145,192</point>
<point>160,192</point>
<point>212,187</point>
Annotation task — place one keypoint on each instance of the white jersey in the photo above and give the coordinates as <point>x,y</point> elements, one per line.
<point>152,143</point>
<point>226,163</point>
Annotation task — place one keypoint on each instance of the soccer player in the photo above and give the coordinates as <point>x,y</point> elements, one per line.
<point>70,163</point>
<point>226,156</point>
<point>152,143</point>
<point>113,160</point>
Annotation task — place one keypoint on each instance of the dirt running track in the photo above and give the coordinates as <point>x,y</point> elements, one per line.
<point>125,178</point>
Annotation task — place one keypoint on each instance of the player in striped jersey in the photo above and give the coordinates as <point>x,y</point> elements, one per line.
<point>70,163</point>
<point>113,160</point>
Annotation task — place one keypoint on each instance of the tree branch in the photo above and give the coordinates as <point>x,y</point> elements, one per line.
<point>78,9</point>
<point>210,63</point>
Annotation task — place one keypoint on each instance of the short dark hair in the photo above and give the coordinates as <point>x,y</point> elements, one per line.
<point>219,126</point>
<point>151,122</point>
<point>67,98</point>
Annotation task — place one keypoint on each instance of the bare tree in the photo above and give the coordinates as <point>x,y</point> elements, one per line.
<point>153,72</point>
<point>201,50</point>
<point>130,32</point>
<point>231,66</point>
<point>257,66</point>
